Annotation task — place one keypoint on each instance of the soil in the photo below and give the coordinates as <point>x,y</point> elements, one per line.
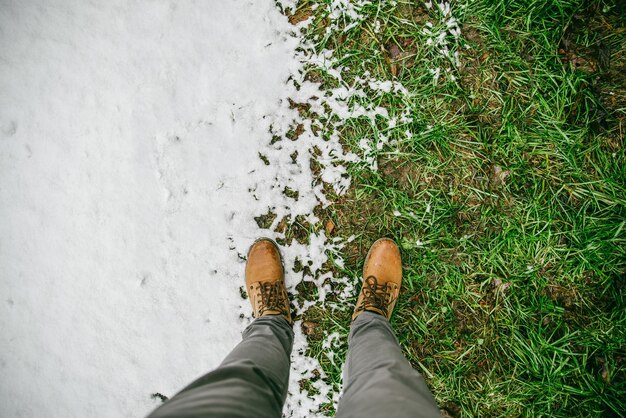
<point>604,60</point>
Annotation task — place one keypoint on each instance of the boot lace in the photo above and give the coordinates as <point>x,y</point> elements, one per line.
<point>376,296</point>
<point>274,298</point>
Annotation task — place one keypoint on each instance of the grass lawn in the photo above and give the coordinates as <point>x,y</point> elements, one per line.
<point>501,173</point>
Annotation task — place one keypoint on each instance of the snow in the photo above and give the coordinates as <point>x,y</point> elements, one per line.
<point>130,175</point>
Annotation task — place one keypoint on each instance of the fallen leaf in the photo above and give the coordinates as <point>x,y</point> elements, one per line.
<point>499,175</point>
<point>501,286</point>
<point>308,327</point>
<point>394,50</point>
<point>330,227</point>
<point>393,53</point>
<point>394,69</point>
<point>300,16</point>
<point>605,374</point>
<point>282,226</point>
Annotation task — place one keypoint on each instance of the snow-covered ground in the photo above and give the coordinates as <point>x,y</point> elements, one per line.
<point>129,179</point>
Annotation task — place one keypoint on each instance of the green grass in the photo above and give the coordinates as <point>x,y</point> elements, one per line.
<point>511,193</point>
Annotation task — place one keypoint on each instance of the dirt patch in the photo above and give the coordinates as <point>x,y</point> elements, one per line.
<point>565,297</point>
<point>593,43</point>
<point>406,174</point>
<point>350,215</point>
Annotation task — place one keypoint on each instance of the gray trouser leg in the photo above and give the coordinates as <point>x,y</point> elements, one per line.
<point>378,380</point>
<point>251,382</point>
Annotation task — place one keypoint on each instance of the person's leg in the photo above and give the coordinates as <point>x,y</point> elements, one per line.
<point>378,380</point>
<point>252,380</point>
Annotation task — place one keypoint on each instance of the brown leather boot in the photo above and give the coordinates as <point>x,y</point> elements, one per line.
<point>382,274</point>
<point>265,280</point>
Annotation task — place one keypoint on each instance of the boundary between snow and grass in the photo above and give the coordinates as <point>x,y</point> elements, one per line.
<point>312,171</point>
